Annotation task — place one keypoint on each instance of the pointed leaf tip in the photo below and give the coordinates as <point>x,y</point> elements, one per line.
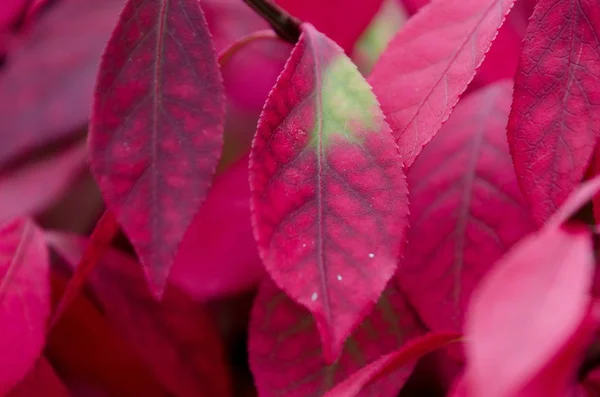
<point>157,126</point>
<point>328,192</point>
<point>428,65</point>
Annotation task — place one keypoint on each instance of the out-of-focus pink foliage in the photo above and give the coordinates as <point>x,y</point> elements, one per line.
<point>175,337</point>
<point>24,299</point>
<point>46,85</point>
<point>218,254</point>
<point>40,381</point>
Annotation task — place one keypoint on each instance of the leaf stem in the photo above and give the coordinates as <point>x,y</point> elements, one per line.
<point>285,25</point>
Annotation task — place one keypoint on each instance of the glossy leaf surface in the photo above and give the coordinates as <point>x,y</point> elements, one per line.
<point>286,354</point>
<point>328,192</point>
<point>466,208</point>
<point>175,337</point>
<point>24,299</point>
<point>218,254</point>
<point>527,310</point>
<point>555,118</point>
<point>157,125</point>
<point>430,62</point>
<point>46,85</point>
<point>408,354</point>
<point>355,14</point>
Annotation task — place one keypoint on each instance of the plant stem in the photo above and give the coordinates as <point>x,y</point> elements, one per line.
<point>285,25</point>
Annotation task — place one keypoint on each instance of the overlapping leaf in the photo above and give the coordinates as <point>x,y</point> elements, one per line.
<point>408,354</point>
<point>157,125</point>
<point>286,354</point>
<point>328,192</point>
<point>466,208</point>
<point>24,299</point>
<point>555,120</point>
<point>430,62</point>
<point>40,381</point>
<point>527,316</point>
<point>175,337</point>
<point>218,254</point>
<point>355,14</point>
<point>92,355</point>
<point>46,86</point>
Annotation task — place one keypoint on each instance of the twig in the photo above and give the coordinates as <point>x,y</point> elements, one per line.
<point>285,25</point>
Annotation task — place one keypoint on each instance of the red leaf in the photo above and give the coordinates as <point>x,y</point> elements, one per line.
<point>555,117</point>
<point>36,185</point>
<point>354,17</point>
<point>24,299</point>
<point>406,355</point>
<point>466,209</point>
<point>40,381</point>
<point>218,255</point>
<point>175,336</point>
<point>157,125</point>
<point>429,63</point>
<point>286,355</point>
<point>46,86</point>
<point>528,309</point>
<point>89,352</point>
<point>328,192</point>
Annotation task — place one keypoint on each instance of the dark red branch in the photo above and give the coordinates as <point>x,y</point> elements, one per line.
<point>285,25</point>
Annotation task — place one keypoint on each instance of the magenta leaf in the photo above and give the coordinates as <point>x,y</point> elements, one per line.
<point>584,193</point>
<point>286,355</point>
<point>555,118</point>
<point>40,381</point>
<point>466,208</point>
<point>353,15</point>
<point>175,337</point>
<point>157,125</point>
<point>218,254</point>
<point>34,186</point>
<point>429,63</point>
<point>24,299</point>
<point>328,192</point>
<point>529,307</point>
<point>46,86</point>
<point>230,20</point>
<point>408,354</point>
<point>10,11</point>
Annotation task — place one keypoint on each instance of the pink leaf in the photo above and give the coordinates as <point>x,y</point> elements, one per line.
<point>286,356</point>
<point>528,309</point>
<point>408,354</point>
<point>40,381</point>
<point>466,209</point>
<point>157,125</point>
<point>24,299</point>
<point>584,193</point>
<point>218,254</point>
<point>555,118</point>
<point>175,337</point>
<point>230,20</point>
<point>328,192</point>
<point>46,86</point>
<point>430,62</point>
<point>354,17</point>
<point>36,185</point>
